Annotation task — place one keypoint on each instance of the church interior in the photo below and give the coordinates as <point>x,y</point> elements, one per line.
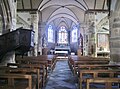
<point>59,44</point>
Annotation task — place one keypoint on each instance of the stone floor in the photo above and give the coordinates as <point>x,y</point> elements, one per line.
<point>61,77</point>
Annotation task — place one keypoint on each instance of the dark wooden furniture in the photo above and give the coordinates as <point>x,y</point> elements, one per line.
<point>20,40</point>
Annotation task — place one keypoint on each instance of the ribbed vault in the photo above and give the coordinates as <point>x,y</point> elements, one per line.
<point>66,11</point>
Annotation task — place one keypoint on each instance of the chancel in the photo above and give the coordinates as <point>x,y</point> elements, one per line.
<point>62,49</point>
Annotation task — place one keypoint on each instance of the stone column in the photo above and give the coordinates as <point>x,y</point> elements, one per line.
<point>95,37</point>
<point>10,56</point>
<point>41,33</point>
<point>115,37</point>
<point>85,41</point>
<point>13,8</point>
<point>40,27</point>
<point>90,23</point>
<point>34,23</point>
<point>43,37</point>
<point>115,32</point>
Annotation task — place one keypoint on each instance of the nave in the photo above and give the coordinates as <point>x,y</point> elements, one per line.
<point>61,77</point>
<point>34,32</point>
<point>48,72</point>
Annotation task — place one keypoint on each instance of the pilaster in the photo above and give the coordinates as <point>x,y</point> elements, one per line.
<point>34,23</point>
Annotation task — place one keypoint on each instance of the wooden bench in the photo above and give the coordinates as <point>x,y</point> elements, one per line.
<point>98,66</point>
<point>32,60</point>
<point>70,61</point>
<point>74,61</point>
<point>108,82</point>
<point>95,74</point>
<point>77,63</point>
<point>49,59</point>
<point>14,79</point>
<point>34,72</point>
<point>24,70</point>
<point>32,66</point>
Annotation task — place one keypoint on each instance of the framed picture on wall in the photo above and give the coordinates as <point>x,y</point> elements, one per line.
<point>103,41</point>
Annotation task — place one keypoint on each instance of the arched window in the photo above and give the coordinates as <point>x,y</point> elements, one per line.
<point>74,34</point>
<point>62,35</point>
<point>50,34</point>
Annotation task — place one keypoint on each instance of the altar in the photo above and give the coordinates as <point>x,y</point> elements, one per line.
<point>103,53</point>
<point>62,50</point>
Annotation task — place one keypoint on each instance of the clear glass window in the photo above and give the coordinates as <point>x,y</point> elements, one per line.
<point>74,34</point>
<point>62,35</point>
<point>50,34</point>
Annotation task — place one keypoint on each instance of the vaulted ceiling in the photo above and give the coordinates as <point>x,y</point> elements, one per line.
<point>64,12</point>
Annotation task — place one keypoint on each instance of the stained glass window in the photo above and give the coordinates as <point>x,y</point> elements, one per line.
<point>50,34</point>
<point>74,34</point>
<point>62,35</point>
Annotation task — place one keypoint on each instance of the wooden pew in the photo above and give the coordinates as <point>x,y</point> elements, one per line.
<point>86,58</point>
<point>89,64</point>
<point>49,59</point>
<point>32,60</point>
<point>11,79</point>
<point>95,62</point>
<point>95,74</point>
<point>11,75</point>
<point>74,58</point>
<point>32,66</point>
<point>74,61</point>
<point>98,66</point>
<point>71,62</point>
<point>107,81</point>
<point>34,72</point>
<point>23,70</point>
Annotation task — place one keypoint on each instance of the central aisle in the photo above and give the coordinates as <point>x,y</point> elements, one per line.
<point>61,77</point>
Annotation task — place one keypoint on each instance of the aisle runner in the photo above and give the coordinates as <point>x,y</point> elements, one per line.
<point>61,77</point>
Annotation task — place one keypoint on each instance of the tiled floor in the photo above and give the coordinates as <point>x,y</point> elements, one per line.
<point>61,77</point>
